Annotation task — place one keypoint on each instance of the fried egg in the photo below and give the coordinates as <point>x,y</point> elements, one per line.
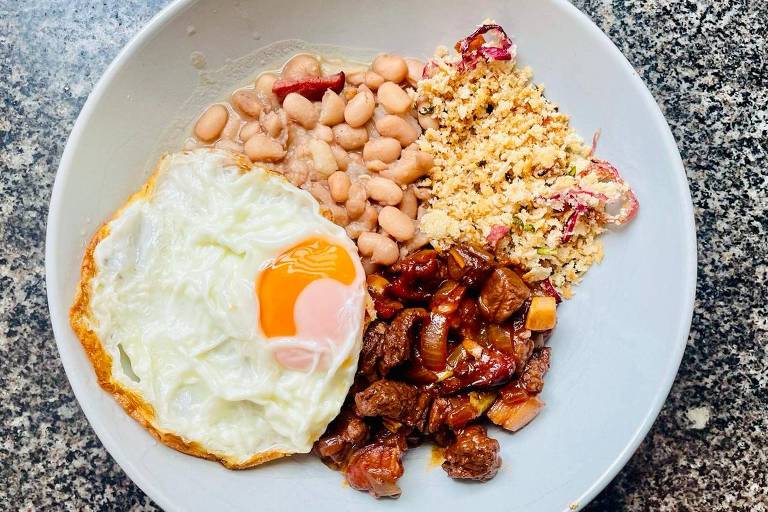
<point>222,310</point>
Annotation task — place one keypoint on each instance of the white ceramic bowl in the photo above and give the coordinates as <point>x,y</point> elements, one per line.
<point>618,343</point>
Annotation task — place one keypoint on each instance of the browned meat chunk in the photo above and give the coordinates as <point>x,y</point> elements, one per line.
<point>394,400</point>
<point>370,354</point>
<point>503,293</point>
<point>470,265</point>
<point>532,379</point>
<point>346,433</point>
<point>387,347</point>
<point>376,468</point>
<point>400,338</point>
<point>472,455</point>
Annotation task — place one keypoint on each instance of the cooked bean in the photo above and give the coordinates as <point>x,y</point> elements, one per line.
<point>415,70</point>
<point>405,171</point>
<point>339,184</point>
<point>297,172</point>
<point>261,148</point>
<point>381,249</point>
<point>211,123</point>
<point>348,137</point>
<point>397,128</point>
<point>375,165</point>
<point>366,222</point>
<point>356,79</point>
<point>263,87</point>
<point>373,80</point>
<point>425,160</point>
<point>422,193</point>
<point>301,66</point>
<point>356,201</point>
<point>385,149</point>
<point>338,215</point>
<point>360,108</point>
<point>341,156</point>
<point>322,157</point>
<point>249,129</point>
<point>301,110</point>
<point>246,101</point>
<point>332,109</point>
<point>384,191</point>
<point>232,128</point>
<point>272,123</point>
<point>393,98</point>
<point>391,67</point>
<point>323,133</point>
<point>428,122</point>
<point>396,223</point>
<point>409,205</point>
<point>229,145</point>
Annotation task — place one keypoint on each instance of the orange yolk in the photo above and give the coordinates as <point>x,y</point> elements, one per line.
<point>283,281</point>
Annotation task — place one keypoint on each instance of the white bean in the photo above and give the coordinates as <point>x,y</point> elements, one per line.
<point>356,201</point>
<point>384,191</point>
<point>391,67</point>
<point>366,222</point>
<point>373,80</point>
<point>349,138</point>
<point>385,149</point>
<point>246,101</point>
<point>229,145</point>
<point>379,248</point>
<point>323,133</point>
<point>332,109</point>
<point>301,110</point>
<point>397,128</point>
<point>263,86</point>
<point>322,157</point>
<point>428,122</point>
<point>331,210</point>
<point>261,148</point>
<point>360,108</point>
<point>341,156</point>
<point>393,98</point>
<point>396,223</point>
<point>211,123</point>
<point>415,70</point>
<point>339,184</point>
<point>356,79</point>
<point>272,123</point>
<point>249,129</point>
<point>404,171</point>
<point>301,66</point>
<point>409,204</point>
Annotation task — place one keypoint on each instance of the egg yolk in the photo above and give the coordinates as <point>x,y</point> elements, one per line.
<point>286,278</point>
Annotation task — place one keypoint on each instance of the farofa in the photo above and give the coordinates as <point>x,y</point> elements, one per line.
<point>505,156</point>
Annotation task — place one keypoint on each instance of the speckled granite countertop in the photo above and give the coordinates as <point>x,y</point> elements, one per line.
<point>706,62</point>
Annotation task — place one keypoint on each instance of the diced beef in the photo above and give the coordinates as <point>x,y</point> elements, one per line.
<point>346,433</point>
<point>375,468</point>
<point>395,400</point>
<point>472,455</point>
<point>503,294</point>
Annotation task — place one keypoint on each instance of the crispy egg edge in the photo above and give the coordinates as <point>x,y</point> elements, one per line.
<point>80,314</point>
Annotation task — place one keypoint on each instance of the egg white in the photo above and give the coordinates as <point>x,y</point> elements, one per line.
<point>172,301</point>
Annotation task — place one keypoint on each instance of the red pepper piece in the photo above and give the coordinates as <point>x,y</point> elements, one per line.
<point>311,88</point>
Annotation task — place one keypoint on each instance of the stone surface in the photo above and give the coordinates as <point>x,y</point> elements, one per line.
<point>705,63</point>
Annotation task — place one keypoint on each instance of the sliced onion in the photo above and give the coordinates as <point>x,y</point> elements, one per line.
<point>434,342</point>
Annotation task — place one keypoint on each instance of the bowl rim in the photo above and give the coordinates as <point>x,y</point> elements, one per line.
<point>176,7</point>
